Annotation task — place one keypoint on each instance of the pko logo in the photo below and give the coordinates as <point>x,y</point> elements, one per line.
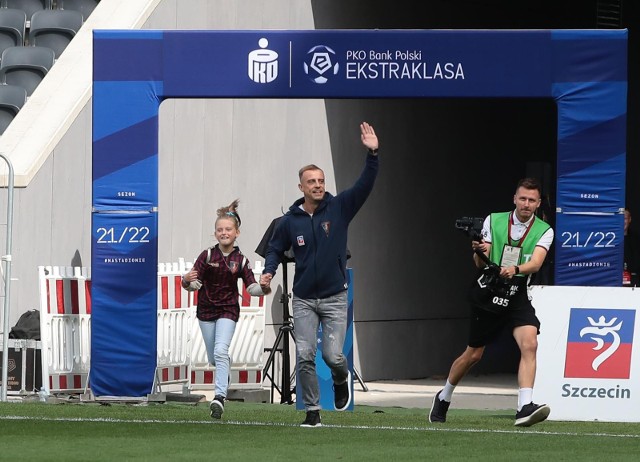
<point>321,62</point>
<point>599,343</point>
<point>263,63</point>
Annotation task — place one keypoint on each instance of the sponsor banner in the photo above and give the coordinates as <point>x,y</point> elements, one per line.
<point>357,64</point>
<point>124,314</point>
<point>588,352</point>
<point>325,381</point>
<point>588,249</point>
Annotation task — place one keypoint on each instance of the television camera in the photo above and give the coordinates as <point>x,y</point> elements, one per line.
<point>472,227</point>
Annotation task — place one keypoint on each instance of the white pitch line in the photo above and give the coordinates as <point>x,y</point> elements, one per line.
<point>277,424</point>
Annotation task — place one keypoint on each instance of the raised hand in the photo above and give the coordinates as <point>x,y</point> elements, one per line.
<point>368,136</point>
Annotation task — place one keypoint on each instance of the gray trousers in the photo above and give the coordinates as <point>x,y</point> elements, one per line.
<point>308,314</point>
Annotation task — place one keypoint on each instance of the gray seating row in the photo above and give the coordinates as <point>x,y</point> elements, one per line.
<point>31,6</point>
<point>33,34</point>
<point>12,98</point>
<point>49,28</point>
<point>25,66</point>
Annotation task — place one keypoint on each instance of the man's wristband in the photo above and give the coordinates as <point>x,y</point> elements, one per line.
<point>373,152</point>
<point>517,269</point>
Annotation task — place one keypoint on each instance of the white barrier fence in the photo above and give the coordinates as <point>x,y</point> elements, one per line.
<point>187,362</point>
<point>176,311</point>
<point>65,325</point>
<point>65,328</point>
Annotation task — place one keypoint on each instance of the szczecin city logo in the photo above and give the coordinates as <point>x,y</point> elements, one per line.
<point>599,343</point>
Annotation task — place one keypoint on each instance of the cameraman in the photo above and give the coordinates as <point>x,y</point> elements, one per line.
<point>518,242</point>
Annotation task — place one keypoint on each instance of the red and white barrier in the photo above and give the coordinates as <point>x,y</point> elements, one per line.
<point>246,349</point>
<point>175,313</point>
<point>65,324</point>
<point>65,328</point>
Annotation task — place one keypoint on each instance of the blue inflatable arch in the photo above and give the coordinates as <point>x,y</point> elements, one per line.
<point>585,72</point>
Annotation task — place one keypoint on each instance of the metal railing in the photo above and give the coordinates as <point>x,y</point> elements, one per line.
<point>7,282</point>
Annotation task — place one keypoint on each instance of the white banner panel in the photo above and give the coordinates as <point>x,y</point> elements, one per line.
<point>589,352</point>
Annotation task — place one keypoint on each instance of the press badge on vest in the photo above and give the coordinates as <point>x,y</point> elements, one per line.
<point>510,255</point>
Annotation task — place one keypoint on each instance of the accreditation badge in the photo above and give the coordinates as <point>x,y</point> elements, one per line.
<point>510,255</point>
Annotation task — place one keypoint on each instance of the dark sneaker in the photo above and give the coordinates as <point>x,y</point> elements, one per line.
<point>439,409</point>
<point>342,394</point>
<point>312,420</point>
<point>531,414</point>
<point>217,407</point>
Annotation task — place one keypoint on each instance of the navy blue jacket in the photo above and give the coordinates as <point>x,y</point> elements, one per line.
<point>320,241</point>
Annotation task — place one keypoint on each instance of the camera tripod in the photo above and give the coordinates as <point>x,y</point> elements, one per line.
<point>286,330</point>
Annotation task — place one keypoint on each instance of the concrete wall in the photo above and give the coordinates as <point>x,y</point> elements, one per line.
<point>52,215</point>
<point>213,151</point>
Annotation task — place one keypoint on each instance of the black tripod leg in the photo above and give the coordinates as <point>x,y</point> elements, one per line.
<point>270,363</point>
<point>285,390</point>
<point>287,327</point>
<point>285,394</point>
<point>362,384</point>
<point>273,349</point>
<point>284,332</point>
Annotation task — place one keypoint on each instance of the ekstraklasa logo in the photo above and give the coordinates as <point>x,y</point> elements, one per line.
<point>321,63</point>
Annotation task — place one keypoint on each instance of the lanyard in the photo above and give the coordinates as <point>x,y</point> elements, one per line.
<point>521,240</point>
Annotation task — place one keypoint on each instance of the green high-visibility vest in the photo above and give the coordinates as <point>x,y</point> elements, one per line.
<point>500,237</point>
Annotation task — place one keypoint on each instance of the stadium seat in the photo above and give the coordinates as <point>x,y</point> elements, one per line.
<point>54,29</point>
<point>83,6</point>
<point>28,6</point>
<point>12,28</point>
<point>25,66</point>
<point>12,98</point>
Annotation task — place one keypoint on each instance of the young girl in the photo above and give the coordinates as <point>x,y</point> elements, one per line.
<point>215,273</point>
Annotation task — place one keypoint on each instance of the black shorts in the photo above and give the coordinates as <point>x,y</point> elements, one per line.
<point>485,326</point>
